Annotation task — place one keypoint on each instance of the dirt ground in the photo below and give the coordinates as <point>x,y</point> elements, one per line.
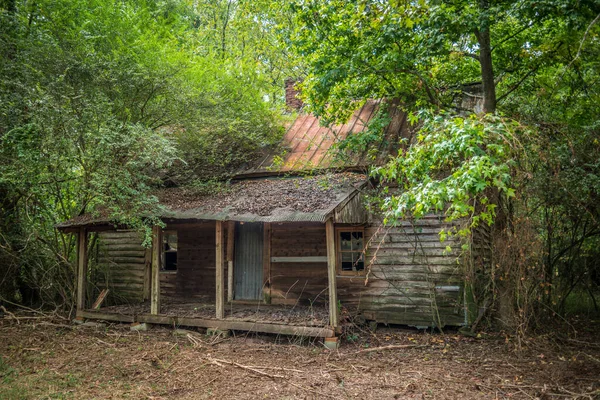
<point>42,359</point>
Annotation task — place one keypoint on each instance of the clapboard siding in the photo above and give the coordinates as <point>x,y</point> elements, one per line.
<point>121,266</point>
<point>413,279</point>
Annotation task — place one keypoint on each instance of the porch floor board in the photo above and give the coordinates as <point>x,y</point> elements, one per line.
<point>284,319</point>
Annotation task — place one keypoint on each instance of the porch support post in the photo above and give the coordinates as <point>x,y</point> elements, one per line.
<point>331,273</point>
<point>220,270</point>
<point>267,263</point>
<point>155,271</point>
<point>230,252</point>
<point>82,263</point>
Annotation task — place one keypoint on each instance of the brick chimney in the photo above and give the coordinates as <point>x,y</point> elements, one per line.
<point>292,101</point>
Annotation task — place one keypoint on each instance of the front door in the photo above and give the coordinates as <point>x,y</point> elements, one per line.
<point>248,262</point>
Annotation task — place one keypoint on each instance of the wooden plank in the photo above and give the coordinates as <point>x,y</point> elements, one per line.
<point>267,263</point>
<point>100,299</point>
<point>220,270</point>
<point>147,273</point>
<point>331,273</point>
<point>155,275</point>
<point>263,327</point>
<point>82,261</point>
<point>230,254</point>
<point>306,259</point>
<point>230,239</point>
<point>105,316</point>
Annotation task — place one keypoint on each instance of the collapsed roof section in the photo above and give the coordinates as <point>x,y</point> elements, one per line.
<point>298,199</point>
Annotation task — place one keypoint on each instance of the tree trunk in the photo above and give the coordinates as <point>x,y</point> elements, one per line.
<point>485,60</point>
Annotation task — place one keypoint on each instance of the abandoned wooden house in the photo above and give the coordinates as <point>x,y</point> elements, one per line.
<point>279,251</point>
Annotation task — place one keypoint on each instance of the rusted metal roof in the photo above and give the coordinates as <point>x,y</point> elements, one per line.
<point>308,146</point>
<point>299,199</point>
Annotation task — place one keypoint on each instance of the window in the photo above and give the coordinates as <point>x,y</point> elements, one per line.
<point>351,259</point>
<point>169,259</point>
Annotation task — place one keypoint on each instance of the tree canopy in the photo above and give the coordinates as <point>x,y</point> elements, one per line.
<point>531,162</point>
<point>101,102</point>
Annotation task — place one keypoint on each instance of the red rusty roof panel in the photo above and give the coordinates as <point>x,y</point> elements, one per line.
<point>307,145</point>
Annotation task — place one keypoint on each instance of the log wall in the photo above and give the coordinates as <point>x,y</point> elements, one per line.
<point>121,266</point>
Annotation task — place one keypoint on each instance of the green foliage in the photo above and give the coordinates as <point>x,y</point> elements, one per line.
<point>100,104</point>
<point>453,168</point>
<point>535,166</point>
<point>425,51</point>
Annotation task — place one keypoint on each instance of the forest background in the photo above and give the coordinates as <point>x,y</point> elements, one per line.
<point>103,101</point>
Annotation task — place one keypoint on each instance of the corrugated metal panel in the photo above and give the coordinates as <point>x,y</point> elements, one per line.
<point>306,144</point>
<point>248,263</point>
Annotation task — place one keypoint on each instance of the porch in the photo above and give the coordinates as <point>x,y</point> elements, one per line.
<point>299,320</point>
<point>265,277</point>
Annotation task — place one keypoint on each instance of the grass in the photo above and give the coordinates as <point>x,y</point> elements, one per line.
<point>35,384</point>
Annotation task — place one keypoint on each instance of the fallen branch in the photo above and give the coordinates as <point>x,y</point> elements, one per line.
<point>53,315</point>
<point>391,347</point>
<point>256,371</point>
<point>13,316</point>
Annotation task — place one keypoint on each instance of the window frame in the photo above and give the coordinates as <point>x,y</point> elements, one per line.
<point>163,259</point>
<point>338,251</point>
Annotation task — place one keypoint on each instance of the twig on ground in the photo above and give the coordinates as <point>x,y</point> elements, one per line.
<point>13,316</point>
<point>209,382</point>
<point>256,371</point>
<point>196,342</point>
<point>391,347</point>
<point>278,368</point>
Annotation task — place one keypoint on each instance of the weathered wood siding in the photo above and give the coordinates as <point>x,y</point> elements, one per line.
<point>121,266</point>
<point>196,255</point>
<point>351,211</point>
<point>412,278</point>
<point>298,281</point>
<point>123,263</point>
<point>196,258</point>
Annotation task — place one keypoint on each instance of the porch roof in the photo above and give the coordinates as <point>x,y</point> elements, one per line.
<point>297,199</point>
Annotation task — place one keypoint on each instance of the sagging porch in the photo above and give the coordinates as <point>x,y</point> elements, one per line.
<point>265,277</point>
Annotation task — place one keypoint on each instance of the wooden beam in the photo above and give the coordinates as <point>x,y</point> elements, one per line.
<point>305,259</point>
<point>264,327</point>
<point>230,257</point>
<point>331,273</point>
<point>155,275</point>
<point>147,273</point>
<point>98,303</point>
<point>94,314</point>
<point>82,261</point>
<point>267,263</point>
<point>220,270</point>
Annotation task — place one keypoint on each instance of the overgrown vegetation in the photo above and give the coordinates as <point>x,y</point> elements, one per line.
<point>509,137</point>
<point>101,102</point>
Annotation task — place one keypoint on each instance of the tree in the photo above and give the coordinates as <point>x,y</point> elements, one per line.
<point>100,104</point>
<point>533,64</point>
